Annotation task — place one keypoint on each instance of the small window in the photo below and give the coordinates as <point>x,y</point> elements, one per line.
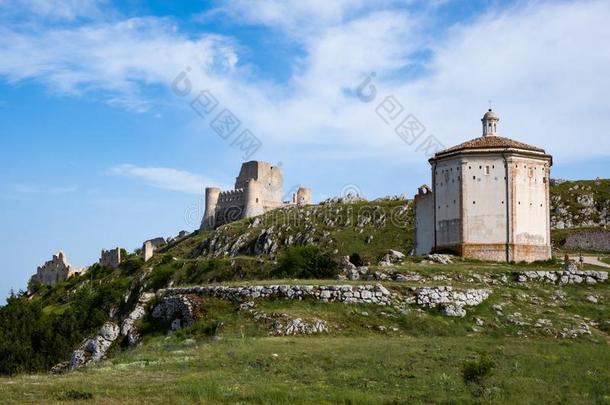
<point>487,170</point>
<point>257,200</point>
<point>474,177</point>
<point>474,202</point>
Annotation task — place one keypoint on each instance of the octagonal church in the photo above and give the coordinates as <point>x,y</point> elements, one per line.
<point>489,200</point>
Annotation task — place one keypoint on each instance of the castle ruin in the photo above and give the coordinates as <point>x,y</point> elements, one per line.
<point>111,258</point>
<point>56,270</point>
<point>258,189</point>
<point>489,200</point>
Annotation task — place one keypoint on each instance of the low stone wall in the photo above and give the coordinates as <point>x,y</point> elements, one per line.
<point>364,294</point>
<point>450,301</point>
<point>598,241</point>
<point>563,277</point>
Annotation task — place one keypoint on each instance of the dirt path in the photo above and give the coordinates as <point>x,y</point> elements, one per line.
<point>594,261</point>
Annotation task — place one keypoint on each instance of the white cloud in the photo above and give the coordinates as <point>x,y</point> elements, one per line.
<point>55,9</point>
<point>43,189</point>
<point>542,63</point>
<point>116,59</point>
<point>164,178</point>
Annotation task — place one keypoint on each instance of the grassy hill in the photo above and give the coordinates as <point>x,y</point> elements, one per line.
<point>527,343</point>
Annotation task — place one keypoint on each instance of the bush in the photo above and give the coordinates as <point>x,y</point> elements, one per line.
<point>356,260</point>
<point>132,264</point>
<point>73,395</point>
<point>305,262</point>
<point>475,371</point>
<point>160,277</point>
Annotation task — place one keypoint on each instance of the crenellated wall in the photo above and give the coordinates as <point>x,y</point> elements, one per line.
<point>258,189</point>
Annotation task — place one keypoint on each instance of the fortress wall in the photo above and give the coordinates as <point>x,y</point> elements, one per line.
<point>424,222</point>
<point>448,204</point>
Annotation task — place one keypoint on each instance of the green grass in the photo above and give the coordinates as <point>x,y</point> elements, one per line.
<point>332,370</point>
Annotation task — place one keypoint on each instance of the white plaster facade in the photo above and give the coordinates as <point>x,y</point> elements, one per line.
<point>490,199</point>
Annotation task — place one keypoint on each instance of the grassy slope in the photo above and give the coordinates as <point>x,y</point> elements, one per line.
<point>420,362</point>
<point>598,189</point>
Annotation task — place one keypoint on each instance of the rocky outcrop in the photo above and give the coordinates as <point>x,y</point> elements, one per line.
<point>298,326</point>
<point>391,258</point>
<point>93,349</point>
<point>579,204</point>
<point>181,310</point>
<point>128,326</point>
<point>438,258</point>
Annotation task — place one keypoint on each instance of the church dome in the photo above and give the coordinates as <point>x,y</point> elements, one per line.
<point>489,142</point>
<point>490,115</point>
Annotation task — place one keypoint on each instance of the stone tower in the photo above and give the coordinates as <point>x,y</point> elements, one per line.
<point>302,196</point>
<point>211,201</point>
<point>489,200</point>
<point>259,188</point>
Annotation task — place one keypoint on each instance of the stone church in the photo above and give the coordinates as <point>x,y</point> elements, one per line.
<point>489,200</point>
<point>259,188</point>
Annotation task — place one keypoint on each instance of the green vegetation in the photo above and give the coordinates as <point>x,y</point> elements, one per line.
<point>305,262</point>
<point>417,357</point>
<point>525,344</point>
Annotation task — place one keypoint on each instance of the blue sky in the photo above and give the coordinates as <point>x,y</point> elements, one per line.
<point>97,150</point>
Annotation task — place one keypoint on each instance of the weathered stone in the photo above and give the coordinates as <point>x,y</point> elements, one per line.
<point>56,270</point>
<point>111,258</point>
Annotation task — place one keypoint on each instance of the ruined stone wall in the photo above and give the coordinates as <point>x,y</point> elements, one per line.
<point>231,206</point>
<point>111,258</point>
<point>424,221</point>
<point>303,196</point>
<point>56,270</point>
<point>598,241</point>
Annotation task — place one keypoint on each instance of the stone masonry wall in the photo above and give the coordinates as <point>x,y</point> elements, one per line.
<point>598,241</point>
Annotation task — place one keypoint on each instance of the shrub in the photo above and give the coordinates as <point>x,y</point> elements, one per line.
<point>132,264</point>
<point>305,262</point>
<point>356,260</point>
<point>74,395</point>
<point>160,277</point>
<point>475,371</point>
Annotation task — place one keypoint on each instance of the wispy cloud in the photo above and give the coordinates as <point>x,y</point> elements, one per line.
<point>541,57</point>
<point>164,177</point>
<point>118,60</point>
<point>56,9</point>
<point>43,189</point>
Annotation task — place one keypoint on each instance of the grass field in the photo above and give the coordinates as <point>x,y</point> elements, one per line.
<point>418,356</point>
<point>374,369</point>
